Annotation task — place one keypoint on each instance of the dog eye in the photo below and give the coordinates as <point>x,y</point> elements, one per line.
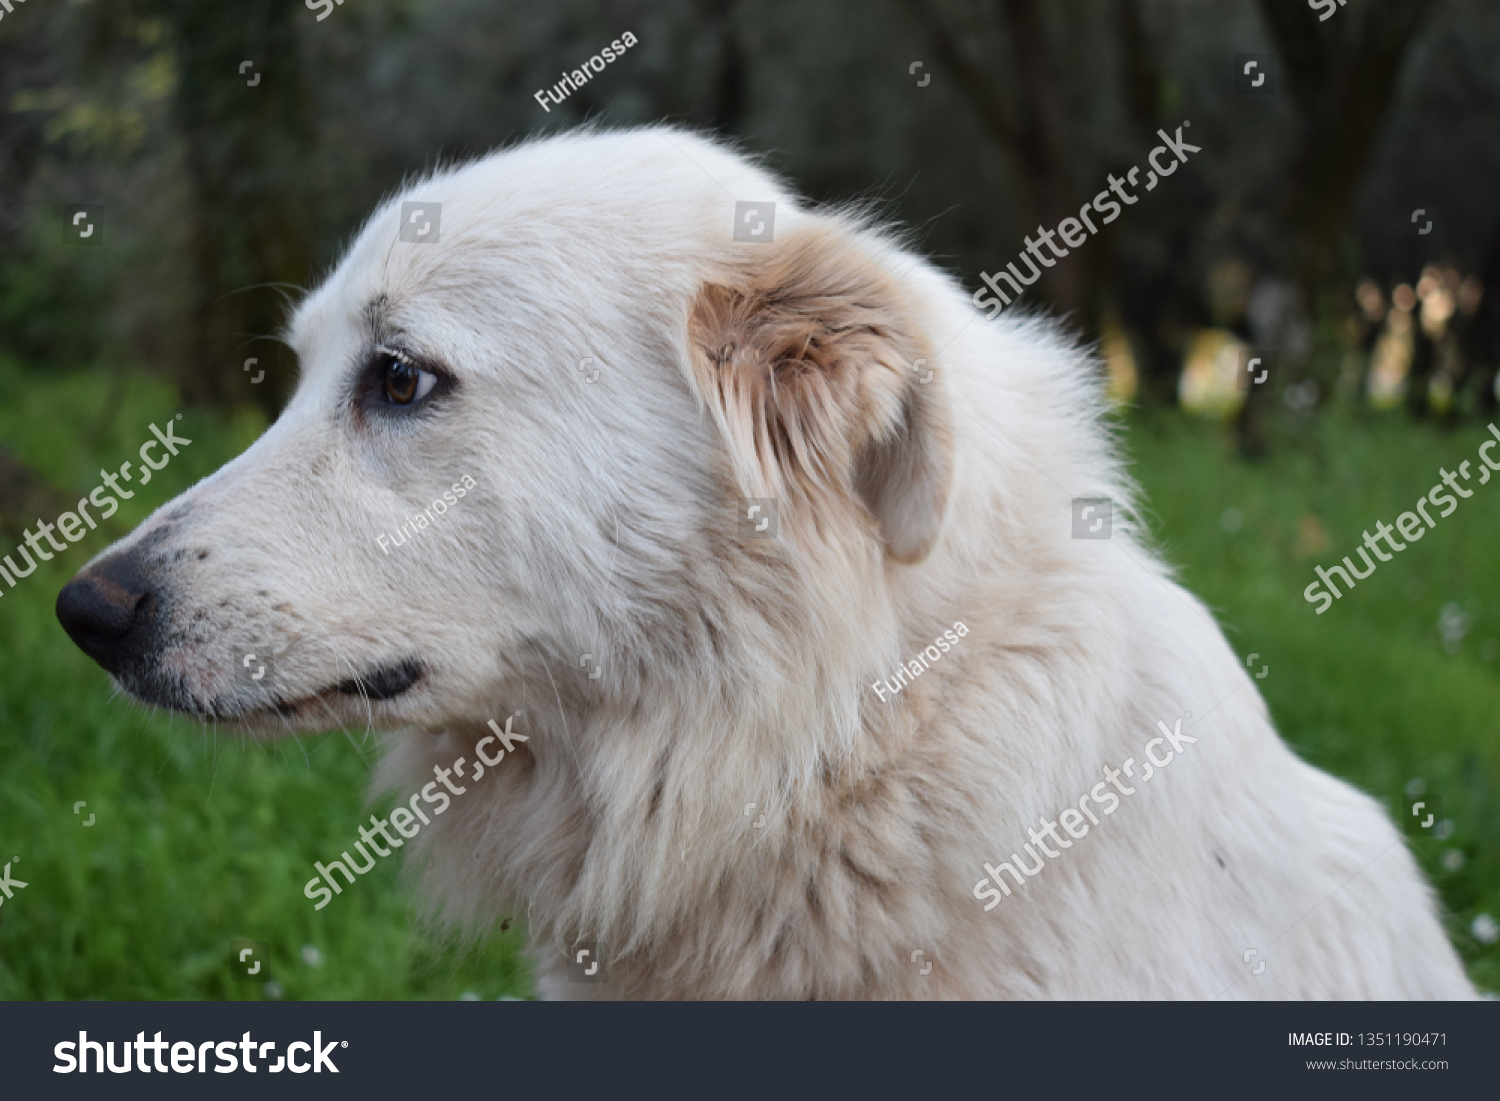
<point>402,384</point>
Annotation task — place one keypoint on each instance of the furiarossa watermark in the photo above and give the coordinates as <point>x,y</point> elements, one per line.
<point>425,519</point>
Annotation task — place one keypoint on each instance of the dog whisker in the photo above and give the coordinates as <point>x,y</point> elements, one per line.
<point>564,716</point>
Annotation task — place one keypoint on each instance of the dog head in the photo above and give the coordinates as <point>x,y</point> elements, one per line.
<point>553,422</point>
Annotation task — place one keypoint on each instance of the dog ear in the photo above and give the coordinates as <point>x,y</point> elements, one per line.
<point>810,356</point>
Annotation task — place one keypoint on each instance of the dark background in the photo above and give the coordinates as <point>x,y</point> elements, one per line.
<point>1017,115</point>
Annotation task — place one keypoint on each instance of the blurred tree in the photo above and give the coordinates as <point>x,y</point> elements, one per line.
<point>1479,332</point>
<point>221,190</point>
<point>26,61</point>
<point>59,100</point>
<point>727,106</point>
<point>1342,73</point>
<point>1148,297</point>
<point>248,134</point>
<point>1029,124</point>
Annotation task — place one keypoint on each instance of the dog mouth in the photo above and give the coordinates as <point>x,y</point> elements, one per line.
<point>381,685</point>
<point>259,703</point>
<point>385,683</point>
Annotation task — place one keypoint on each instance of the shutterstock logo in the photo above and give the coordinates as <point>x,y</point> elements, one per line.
<point>1411,526</point>
<point>1257,373</point>
<point>754,222</point>
<point>256,670</point>
<point>586,964</point>
<point>1074,820</point>
<point>420,222</point>
<point>189,1058</point>
<point>758,519</point>
<point>1093,517</point>
<point>8,885</point>
<point>1255,74</point>
<point>85,223</point>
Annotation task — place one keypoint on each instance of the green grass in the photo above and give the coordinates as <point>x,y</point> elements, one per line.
<point>201,839</point>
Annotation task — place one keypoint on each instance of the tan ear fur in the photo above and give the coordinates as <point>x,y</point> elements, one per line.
<point>803,350</point>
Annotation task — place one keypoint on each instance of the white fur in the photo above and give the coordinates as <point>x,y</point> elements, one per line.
<point>739,671</point>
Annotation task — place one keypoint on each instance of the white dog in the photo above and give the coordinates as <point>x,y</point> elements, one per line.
<point>730,471</point>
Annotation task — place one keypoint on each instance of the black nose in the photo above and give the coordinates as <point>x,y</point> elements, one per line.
<point>106,610</point>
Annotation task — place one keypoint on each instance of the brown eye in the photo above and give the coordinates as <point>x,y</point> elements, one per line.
<point>400,382</point>
<point>403,384</point>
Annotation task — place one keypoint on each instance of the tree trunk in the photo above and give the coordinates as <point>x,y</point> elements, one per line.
<point>1033,134</point>
<point>246,139</point>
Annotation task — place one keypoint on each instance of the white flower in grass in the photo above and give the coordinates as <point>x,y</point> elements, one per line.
<point>1486,929</point>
